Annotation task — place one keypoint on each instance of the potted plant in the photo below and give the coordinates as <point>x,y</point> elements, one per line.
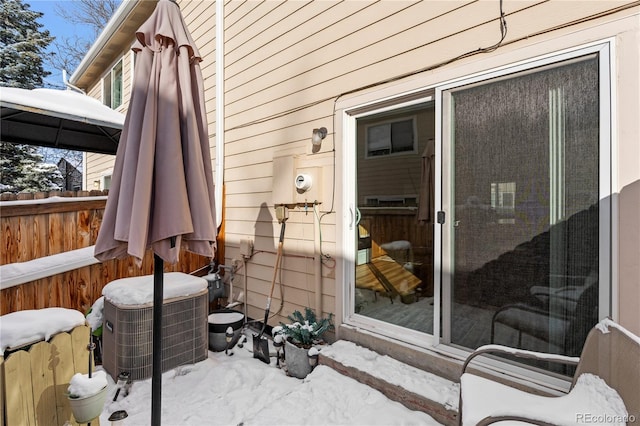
<point>302,336</point>
<point>87,394</point>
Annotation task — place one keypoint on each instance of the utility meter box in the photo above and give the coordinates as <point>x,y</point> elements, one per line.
<point>308,184</point>
<point>298,181</point>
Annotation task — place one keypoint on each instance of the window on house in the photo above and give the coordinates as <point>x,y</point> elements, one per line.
<point>112,87</point>
<point>390,201</point>
<point>503,195</point>
<point>105,181</point>
<point>391,138</point>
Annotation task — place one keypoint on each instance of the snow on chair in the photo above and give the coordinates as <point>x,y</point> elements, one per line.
<point>604,390</point>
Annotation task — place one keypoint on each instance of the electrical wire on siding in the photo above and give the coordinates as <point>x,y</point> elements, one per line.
<point>503,34</point>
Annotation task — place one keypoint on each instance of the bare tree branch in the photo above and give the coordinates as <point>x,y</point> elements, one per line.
<point>94,13</point>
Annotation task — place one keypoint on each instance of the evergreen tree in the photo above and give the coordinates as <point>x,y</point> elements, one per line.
<point>22,170</point>
<point>22,46</point>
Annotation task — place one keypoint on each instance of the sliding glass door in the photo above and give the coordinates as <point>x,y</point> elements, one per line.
<point>481,208</point>
<point>394,204</point>
<point>524,241</point>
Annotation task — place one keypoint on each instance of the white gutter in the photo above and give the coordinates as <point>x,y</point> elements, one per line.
<point>219,177</point>
<point>118,18</point>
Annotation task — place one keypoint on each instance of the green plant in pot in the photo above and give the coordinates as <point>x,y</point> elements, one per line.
<point>304,332</point>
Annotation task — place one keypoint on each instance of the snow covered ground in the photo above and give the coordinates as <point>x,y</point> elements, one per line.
<point>238,389</point>
<point>234,389</point>
<point>241,390</point>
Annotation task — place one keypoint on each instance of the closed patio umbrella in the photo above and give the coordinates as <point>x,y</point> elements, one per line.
<point>427,185</point>
<point>162,193</point>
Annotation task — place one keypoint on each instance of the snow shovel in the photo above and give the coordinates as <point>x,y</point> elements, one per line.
<point>260,343</point>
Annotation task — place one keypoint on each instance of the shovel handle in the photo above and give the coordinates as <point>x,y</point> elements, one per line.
<point>273,280</point>
<point>277,265</point>
<point>266,318</point>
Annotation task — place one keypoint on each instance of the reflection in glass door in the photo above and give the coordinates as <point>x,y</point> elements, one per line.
<point>394,199</point>
<point>523,241</point>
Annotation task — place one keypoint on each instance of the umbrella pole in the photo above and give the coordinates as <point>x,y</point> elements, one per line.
<point>156,381</point>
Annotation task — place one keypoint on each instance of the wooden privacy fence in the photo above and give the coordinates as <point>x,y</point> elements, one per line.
<point>34,382</point>
<point>389,224</point>
<point>36,227</point>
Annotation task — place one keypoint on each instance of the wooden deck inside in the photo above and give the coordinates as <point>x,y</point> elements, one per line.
<point>386,276</point>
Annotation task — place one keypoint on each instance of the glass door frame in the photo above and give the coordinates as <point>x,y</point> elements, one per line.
<point>349,118</point>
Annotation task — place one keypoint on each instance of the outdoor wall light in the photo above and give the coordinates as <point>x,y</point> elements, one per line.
<point>318,135</point>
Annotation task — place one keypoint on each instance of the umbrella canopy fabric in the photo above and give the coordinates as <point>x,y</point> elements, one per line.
<point>427,185</point>
<point>162,192</point>
<point>59,119</point>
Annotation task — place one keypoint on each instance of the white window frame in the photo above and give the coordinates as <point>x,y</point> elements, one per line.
<point>105,177</point>
<point>350,118</point>
<point>109,76</point>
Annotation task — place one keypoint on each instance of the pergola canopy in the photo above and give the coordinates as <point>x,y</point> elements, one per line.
<point>60,119</point>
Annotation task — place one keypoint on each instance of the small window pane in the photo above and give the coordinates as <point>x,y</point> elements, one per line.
<point>379,139</point>
<point>106,91</point>
<point>402,136</point>
<point>117,85</point>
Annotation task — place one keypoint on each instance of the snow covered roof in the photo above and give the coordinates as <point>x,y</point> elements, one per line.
<point>59,118</point>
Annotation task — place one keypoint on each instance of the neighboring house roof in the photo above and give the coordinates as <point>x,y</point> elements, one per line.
<point>60,119</point>
<point>71,176</point>
<point>119,31</point>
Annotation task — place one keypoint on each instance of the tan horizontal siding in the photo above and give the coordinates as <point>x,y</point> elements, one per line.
<point>251,221</point>
<point>248,171</point>
<point>200,16</point>
<point>276,17</point>
<point>260,185</point>
<point>244,16</point>
<point>347,56</point>
<point>260,132</point>
<point>383,59</point>
<point>96,92</point>
<point>294,229</point>
<point>96,165</point>
<point>201,19</point>
<point>312,45</point>
<point>297,34</point>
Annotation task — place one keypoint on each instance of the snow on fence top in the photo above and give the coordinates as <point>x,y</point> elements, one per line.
<point>33,325</point>
<point>139,290</point>
<point>18,273</point>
